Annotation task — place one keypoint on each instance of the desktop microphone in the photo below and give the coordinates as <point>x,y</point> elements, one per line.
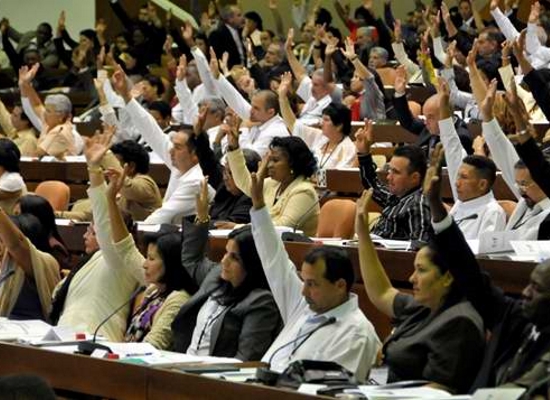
<point>460,220</point>
<point>266,375</point>
<point>89,346</point>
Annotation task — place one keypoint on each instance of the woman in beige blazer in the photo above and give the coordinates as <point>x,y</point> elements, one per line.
<point>289,194</point>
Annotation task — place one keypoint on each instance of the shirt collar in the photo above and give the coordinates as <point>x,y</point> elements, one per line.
<point>474,204</point>
<point>344,309</point>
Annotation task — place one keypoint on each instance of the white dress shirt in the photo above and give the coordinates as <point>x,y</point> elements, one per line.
<point>258,137</point>
<point>312,111</point>
<point>179,199</point>
<point>475,216</point>
<point>524,220</point>
<point>351,341</point>
<point>210,311</point>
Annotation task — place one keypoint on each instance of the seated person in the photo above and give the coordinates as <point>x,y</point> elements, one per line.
<point>519,328</point>
<point>331,144</point>
<point>12,186</point>
<point>233,314</point>
<point>427,130</point>
<point>42,209</point>
<point>169,285</point>
<point>139,196</point>
<point>176,150</point>
<point>28,273</point>
<point>472,177</point>
<point>438,335</point>
<point>102,282</point>
<point>231,206</point>
<point>530,219</point>
<point>405,214</point>
<point>52,119</point>
<point>291,197</point>
<point>17,127</point>
<point>309,304</point>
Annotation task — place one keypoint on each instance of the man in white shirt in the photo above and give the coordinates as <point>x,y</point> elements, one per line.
<point>262,111</point>
<point>472,177</point>
<point>177,152</point>
<point>322,319</point>
<point>530,217</point>
<point>314,91</point>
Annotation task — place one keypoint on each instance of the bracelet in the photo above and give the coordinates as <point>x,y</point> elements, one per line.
<point>95,170</point>
<point>203,221</point>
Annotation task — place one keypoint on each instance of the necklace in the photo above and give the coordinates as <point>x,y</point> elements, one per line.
<point>324,160</point>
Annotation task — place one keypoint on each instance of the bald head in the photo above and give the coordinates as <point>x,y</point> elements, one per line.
<point>430,110</point>
<point>536,296</point>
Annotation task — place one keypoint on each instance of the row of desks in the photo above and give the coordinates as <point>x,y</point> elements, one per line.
<point>118,380</point>
<point>75,174</point>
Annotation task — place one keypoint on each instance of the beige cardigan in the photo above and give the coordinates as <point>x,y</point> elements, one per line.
<point>45,271</point>
<point>298,205</point>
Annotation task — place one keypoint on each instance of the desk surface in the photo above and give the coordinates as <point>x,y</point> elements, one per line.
<point>117,380</point>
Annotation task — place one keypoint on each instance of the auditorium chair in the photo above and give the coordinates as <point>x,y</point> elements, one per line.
<point>57,193</point>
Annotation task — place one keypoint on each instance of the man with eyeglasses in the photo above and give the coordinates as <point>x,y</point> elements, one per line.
<point>530,218</point>
<point>405,213</point>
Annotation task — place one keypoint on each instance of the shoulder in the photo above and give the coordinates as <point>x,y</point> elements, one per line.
<point>462,315</point>
<point>177,297</point>
<point>258,298</point>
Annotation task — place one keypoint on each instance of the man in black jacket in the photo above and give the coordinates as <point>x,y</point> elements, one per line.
<point>427,130</point>
<point>227,37</point>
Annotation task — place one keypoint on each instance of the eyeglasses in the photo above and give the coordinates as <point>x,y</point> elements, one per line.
<point>524,185</point>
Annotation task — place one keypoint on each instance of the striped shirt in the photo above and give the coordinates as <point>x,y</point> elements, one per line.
<point>403,218</point>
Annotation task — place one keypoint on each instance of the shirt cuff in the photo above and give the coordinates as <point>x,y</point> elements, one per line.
<point>440,226</point>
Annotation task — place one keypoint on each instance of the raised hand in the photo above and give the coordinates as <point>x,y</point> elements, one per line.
<point>364,137</point>
<point>167,46</point>
<point>201,119</point>
<point>289,43</point>
<point>116,180</point>
<point>26,74</point>
<point>451,53</point>
<point>362,211</point>
<point>224,63</point>
<point>486,106</point>
<point>400,82</point>
<point>187,34</point>
<point>444,94</point>
<point>202,201</point>
<point>432,180</point>
<point>257,187</point>
<point>181,70</point>
<point>272,4</point>
<point>100,27</point>
<point>331,47</point>
<point>96,146</point>
<point>479,146</point>
<point>472,55</point>
<point>285,85</point>
<point>120,83</point>
<point>534,14</point>
<point>234,123</point>
<point>61,21</point>
<point>519,45</point>
<point>397,31</point>
<point>349,50</point>
<point>214,67</point>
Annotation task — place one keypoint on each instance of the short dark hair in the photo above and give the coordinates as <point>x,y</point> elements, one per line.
<point>43,210</point>
<point>9,155</point>
<point>156,82</point>
<point>169,246</point>
<point>251,159</point>
<point>24,115</point>
<point>162,107</point>
<point>485,168</point>
<point>256,18</point>
<point>340,115</point>
<point>323,17</point>
<point>131,151</point>
<point>300,158</point>
<point>33,229</point>
<point>188,130</point>
<point>338,264</point>
<point>416,157</point>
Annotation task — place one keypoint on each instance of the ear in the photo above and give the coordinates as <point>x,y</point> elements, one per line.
<point>341,284</point>
<point>483,185</point>
<point>417,178</point>
<point>447,279</point>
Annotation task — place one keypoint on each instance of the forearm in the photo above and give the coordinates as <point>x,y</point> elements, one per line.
<point>286,112</point>
<point>15,242</point>
<point>298,70</point>
<point>118,227</point>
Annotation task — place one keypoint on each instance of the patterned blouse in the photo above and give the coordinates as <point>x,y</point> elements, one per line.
<point>142,319</point>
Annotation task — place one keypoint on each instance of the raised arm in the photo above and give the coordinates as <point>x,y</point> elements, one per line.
<point>377,284</point>
<point>16,243</point>
<point>279,270</point>
<point>185,97</point>
<point>298,70</point>
<point>32,105</point>
<point>286,111</point>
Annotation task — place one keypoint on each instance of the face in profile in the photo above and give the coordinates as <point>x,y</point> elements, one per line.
<point>232,270</point>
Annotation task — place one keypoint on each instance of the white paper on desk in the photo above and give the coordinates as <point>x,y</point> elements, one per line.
<point>242,375</point>
<point>169,358</point>
<point>219,233</point>
<point>132,349</point>
<point>376,393</point>
<point>28,158</point>
<point>393,244</point>
<point>48,159</point>
<point>29,329</point>
<point>310,388</point>
<point>81,159</point>
<point>498,394</point>
<point>496,242</point>
<point>148,227</point>
<point>538,250</point>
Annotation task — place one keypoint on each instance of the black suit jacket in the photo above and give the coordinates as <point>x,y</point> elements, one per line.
<point>418,127</point>
<point>221,41</point>
<point>244,330</point>
<point>502,315</point>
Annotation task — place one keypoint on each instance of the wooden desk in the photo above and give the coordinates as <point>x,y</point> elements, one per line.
<point>349,182</point>
<point>117,380</point>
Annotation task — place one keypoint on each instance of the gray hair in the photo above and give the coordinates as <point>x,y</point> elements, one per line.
<point>227,11</point>
<point>61,103</point>
<point>382,52</point>
<point>215,105</point>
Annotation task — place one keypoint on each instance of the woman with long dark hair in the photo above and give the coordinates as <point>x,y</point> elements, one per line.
<point>233,314</point>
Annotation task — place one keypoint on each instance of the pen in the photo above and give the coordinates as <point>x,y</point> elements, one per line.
<point>138,354</point>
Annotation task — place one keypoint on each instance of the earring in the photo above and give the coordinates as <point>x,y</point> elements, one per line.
<point>291,172</point>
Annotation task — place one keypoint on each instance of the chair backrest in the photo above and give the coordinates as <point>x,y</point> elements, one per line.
<point>508,206</point>
<point>337,219</point>
<point>57,193</point>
